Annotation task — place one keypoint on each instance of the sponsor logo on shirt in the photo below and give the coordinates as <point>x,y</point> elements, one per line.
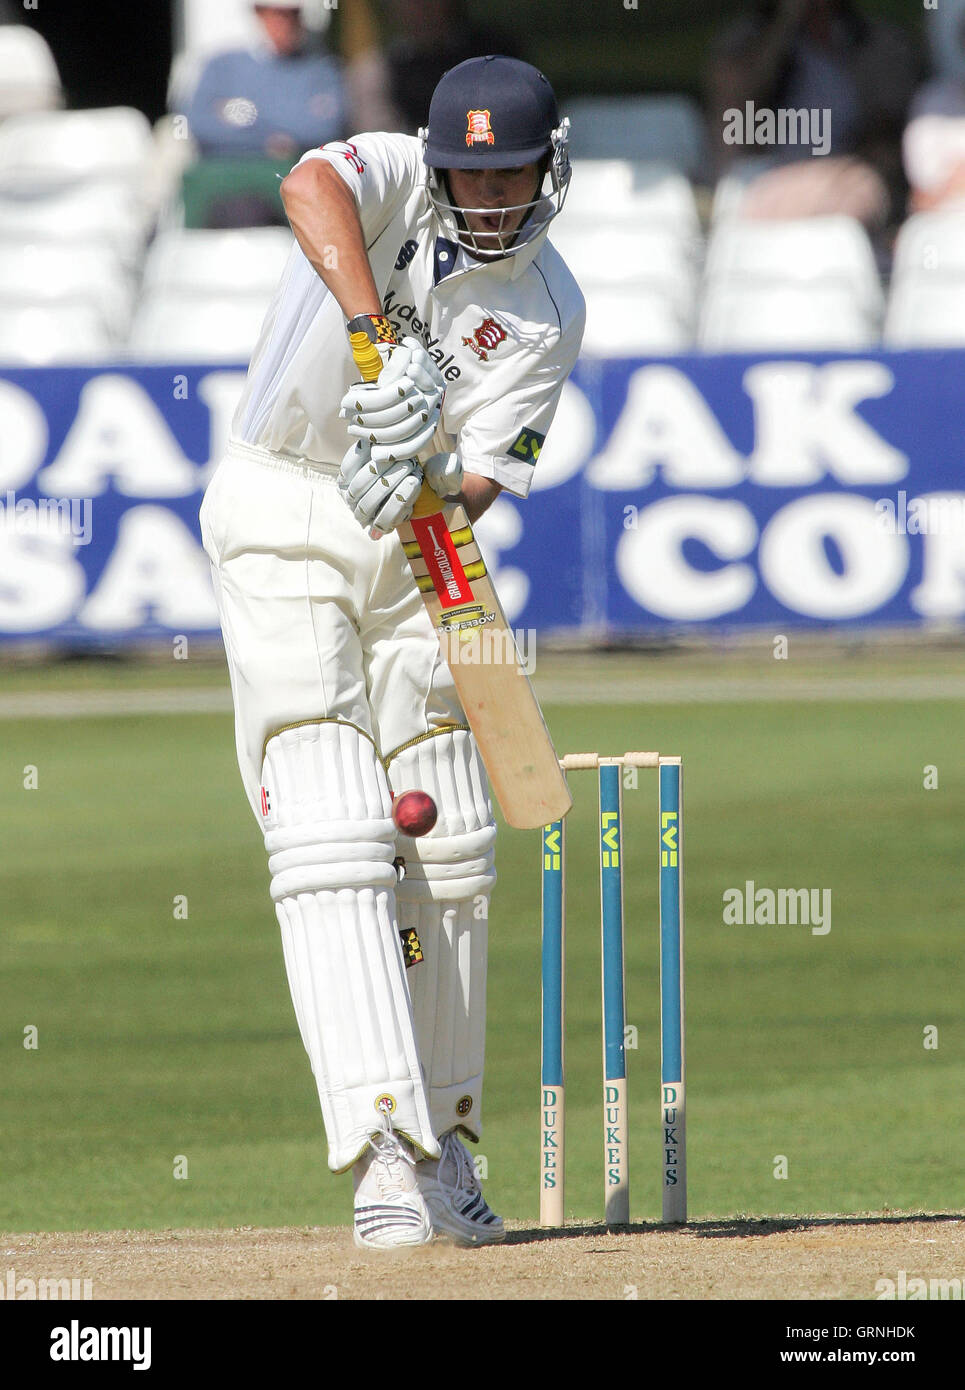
<point>406,251</point>
<point>526,445</point>
<point>404,320</point>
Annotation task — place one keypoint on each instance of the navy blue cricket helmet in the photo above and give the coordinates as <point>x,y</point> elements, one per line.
<point>496,113</point>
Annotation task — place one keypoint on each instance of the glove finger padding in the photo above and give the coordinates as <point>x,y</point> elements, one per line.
<point>411,408</point>
<point>382,494</point>
<point>421,368</point>
<point>403,440</point>
<point>409,376</point>
<point>355,459</point>
<point>390,499</point>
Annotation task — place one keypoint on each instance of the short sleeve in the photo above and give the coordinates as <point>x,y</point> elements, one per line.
<point>502,439</point>
<point>382,170</point>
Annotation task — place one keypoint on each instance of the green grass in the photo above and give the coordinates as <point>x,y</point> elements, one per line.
<point>161,1036</point>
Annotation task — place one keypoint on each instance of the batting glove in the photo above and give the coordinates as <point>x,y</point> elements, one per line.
<point>380,495</point>
<point>444,474</point>
<point>397,415</point>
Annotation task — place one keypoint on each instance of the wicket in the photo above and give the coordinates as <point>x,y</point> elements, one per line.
<point>552,1095</point>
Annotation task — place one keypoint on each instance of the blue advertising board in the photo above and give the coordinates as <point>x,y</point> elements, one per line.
<point>675,494</point>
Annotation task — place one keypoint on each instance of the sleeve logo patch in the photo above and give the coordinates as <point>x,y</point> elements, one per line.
<point>527,445</point>
<point>348,151</point>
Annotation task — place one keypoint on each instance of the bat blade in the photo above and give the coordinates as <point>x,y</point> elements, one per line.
<point>494,689</point>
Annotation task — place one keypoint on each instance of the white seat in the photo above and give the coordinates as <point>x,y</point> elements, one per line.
<point>931,245</point>
<point>920,314</point>
<point>635,320</point>
<point>29,80</point>
<point>246,260</point>
<point>52,273</point>
<point>748,317</point>
<point>40,336</point>
<point>667,128</point>
<point>50,149</point>
<point>808,250</point>
<point>607,256</point>
<point>84,213</point>
<point>637,192</point>
<point>185,327</point>
<point>927,296</point>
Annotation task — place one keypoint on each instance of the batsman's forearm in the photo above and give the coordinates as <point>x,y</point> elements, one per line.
<point>477,495</point>
<point>324,217</point>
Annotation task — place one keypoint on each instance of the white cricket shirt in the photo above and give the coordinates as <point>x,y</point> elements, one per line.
<point>505,334</point>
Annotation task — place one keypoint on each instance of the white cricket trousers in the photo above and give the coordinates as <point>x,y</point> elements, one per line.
<point>319,620</point>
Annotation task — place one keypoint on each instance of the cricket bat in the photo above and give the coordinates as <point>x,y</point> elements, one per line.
<point>478,643</point>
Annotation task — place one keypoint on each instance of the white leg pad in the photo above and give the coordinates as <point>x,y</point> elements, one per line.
<point>330,841</point>
<point>444,895</point>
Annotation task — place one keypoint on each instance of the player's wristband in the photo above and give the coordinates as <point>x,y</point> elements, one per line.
<point>376,328</point>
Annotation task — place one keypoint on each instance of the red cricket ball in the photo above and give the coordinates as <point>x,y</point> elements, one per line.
<point>414,813</point>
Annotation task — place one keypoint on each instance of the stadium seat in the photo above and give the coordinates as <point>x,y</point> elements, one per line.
<point>51,149</point>
<point>605,256</point>
<point>634,321</point>
<point>920,314</point>
<point>84,213</point>
<point>186,327</point>
<point>49,274</point>
<point>244,261</point>
<point>746,317</point>
<point>638,193</point>
<point>29,80</point>
<point>826,251</point>
<point>41,336</point>
<point>931,245</point>
<point>668,128</point>
<point>927,296</point>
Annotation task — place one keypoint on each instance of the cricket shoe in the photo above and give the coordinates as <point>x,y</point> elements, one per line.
<point>390,1211</point>
<point>452,1193</point>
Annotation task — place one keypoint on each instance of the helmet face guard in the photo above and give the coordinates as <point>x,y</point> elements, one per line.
<point>537,214</point>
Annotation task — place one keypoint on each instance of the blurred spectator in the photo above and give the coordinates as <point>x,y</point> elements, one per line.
<point>934,141</point>
<point>942,25</point>
<point>854,76</point>
<point>277,99</point>
<point>432,36</point>
<point>253,112</point>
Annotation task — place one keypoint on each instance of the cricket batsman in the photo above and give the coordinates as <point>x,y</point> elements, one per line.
<point>432,249</point>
